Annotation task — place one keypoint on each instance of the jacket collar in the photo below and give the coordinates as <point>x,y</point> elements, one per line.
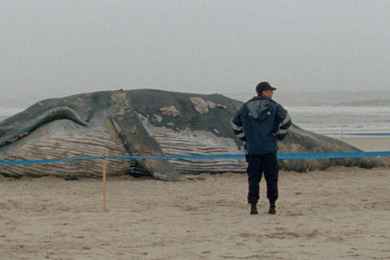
<point>260,98</point>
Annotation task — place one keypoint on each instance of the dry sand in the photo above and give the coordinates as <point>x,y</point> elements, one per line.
<point>369,144</point>
<point>340,213</point>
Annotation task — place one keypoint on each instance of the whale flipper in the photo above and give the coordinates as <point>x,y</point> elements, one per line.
<point>138,142</point>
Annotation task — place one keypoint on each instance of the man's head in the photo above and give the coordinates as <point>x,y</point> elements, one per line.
<point>265,89</point>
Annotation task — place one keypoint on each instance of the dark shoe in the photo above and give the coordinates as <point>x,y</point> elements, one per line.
<point>254,209</point>
<point>272,210</point>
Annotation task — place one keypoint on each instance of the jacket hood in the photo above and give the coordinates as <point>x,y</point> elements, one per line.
<point>259,108</point>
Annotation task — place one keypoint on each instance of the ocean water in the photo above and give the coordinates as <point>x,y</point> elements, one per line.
<point>321,112</point>
<point>335,111</point>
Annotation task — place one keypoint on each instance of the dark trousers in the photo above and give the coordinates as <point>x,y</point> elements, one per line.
<point>257,164</point>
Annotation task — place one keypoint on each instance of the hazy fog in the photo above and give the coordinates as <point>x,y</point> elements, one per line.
<point>57,48</point>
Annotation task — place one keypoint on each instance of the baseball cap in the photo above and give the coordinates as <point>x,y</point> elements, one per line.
<point>264,86</point>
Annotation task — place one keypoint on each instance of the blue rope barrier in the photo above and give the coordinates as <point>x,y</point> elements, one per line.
<point>286,156</point>
<point>290,156</point>
<point>199,156</point>
<point>359,134</point>
<point>370,134</point>
<point>50,161</point>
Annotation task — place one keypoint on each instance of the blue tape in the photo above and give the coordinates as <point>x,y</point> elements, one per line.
<point>50,161</point>
<point>290,156</point>
<point>371,134</point>
<point>359,134</point>
<point>199,156</point>
<point>286,156</point>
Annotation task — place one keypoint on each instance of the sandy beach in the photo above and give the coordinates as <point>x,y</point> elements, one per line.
<point>369,144</point>
<point>340,213</point>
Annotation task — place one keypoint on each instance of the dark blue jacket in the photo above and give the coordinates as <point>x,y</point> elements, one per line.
<point>259,122</point>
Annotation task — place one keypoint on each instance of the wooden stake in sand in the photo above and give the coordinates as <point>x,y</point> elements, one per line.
<point>104,183</point>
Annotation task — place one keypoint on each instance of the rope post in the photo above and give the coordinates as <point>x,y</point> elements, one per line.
<point>104,182</point>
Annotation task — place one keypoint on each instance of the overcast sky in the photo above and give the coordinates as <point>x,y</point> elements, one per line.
<point>57,48</point>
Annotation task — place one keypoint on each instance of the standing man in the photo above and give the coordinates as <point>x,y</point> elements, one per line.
<point>261,123</point>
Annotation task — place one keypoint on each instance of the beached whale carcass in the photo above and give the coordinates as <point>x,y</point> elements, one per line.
<point>143,123</point>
